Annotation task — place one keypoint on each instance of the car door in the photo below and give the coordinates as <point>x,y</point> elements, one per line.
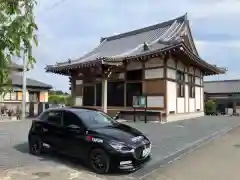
<point>52,129</point>
<point>75,135</point>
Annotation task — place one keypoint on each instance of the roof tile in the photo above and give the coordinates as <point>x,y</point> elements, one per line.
<point>17,81</point>
<point>131,43</point>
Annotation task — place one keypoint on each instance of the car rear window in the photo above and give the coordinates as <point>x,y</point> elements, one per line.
<point>54,117</point>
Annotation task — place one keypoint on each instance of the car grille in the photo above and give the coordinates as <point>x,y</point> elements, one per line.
<point>138,151</point>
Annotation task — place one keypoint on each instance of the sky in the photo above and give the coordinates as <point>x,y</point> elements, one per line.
<point>70,28</point>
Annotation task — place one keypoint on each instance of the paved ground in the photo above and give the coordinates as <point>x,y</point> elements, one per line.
<point>216,160</point>
<point>180,136</point>
<point>166,138</point>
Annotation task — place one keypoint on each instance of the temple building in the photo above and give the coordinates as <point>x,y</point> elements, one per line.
<point>160,62</point>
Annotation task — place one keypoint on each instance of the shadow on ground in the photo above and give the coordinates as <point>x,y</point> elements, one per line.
<point>74,163</point>
<point>49,155</point>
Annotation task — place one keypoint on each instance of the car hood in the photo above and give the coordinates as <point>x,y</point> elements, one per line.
<point>120,132</point>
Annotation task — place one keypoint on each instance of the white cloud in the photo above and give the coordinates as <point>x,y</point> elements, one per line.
<point>75,27</point>
<point>219,44</point>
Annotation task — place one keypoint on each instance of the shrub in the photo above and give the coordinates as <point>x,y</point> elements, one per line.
<point>210,107</point>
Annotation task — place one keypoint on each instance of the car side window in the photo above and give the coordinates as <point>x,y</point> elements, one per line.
<point>71,119</point>
<point>54,117</point>
<point>43,116</point>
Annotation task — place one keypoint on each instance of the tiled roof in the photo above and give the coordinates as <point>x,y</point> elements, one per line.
<point>17,66</point>
<point>133,43</point>
<point>17,81</point>
<point>225,86</point>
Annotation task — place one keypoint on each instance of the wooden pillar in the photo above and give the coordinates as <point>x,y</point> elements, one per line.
<point>125,85</point>
<point>73,87</point>
<point>104,94</point>
<point>165,59</point>
<point>234,107</point>
<point>95,95</point>
<point>143,79</point>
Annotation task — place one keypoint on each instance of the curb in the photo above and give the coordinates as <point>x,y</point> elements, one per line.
<point>181,152</point>
<point>14,120</point>
<point>8,120</point>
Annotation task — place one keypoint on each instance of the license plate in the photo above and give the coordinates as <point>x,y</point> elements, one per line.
<point>146,152</point>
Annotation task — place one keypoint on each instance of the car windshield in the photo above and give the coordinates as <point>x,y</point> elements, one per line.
<point>95,119</point>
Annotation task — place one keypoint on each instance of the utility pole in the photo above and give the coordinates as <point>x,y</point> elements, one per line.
<point>23,112</point>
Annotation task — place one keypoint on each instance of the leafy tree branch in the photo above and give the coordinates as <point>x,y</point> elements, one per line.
<point>17,34</point>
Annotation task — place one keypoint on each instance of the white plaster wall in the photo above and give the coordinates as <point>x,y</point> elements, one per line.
<point>79,82</point>
<point>154,62</point>
<point>154,73</point>
<point>171,73</point>
<point>155,101</point>
<point>191,104</point>
<point>27,96</point>
<point>171,63</point>
<point>46,96</point>
<point>180,66</point>
<point>191,70</point>
<point>197,72</point>
<point>133,65</point>
<point>201,81</point>
<point>202,99</point>
<point>121,76</point>
<point>171,96</point>
<point>186,77</point>
<point>197,80</point>
<point>186,98</point>
<point>198,97</point>
<point>180,105</point>
<point>78,101</point>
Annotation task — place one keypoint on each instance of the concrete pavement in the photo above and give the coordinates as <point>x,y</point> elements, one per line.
<point>220,159</point>
<point>167,139</point>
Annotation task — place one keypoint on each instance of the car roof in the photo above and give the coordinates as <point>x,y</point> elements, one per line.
<point>73,109</point>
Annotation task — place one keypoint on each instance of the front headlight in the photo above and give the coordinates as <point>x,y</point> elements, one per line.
<point>120,147</point>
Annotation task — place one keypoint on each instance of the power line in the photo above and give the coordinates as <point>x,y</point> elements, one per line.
<point>56,4</point>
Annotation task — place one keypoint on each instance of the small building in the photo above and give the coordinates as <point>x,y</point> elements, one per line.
<point>225,93</point>
<point>159,61</point>
<point>36,91</point>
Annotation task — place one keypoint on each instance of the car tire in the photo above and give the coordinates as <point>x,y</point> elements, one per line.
<point>99,161</point>
<point>35,145</point>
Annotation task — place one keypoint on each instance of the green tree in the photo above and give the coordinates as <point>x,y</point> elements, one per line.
<point>69,100</point>
<point>17,34</point>
<point>56,99</point>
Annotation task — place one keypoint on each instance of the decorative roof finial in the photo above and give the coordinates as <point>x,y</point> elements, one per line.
<point>145,47</point>
<point>102,39</point>
<point>185,17</point>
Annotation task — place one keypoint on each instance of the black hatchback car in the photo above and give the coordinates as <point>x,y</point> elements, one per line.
<point>90,135</point>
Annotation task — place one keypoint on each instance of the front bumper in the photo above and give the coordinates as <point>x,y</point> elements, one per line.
<point>133,165</point>
<point>128,161</point>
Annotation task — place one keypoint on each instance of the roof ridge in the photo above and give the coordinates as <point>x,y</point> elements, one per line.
<point>227,80</point>
<point>145,29</point>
